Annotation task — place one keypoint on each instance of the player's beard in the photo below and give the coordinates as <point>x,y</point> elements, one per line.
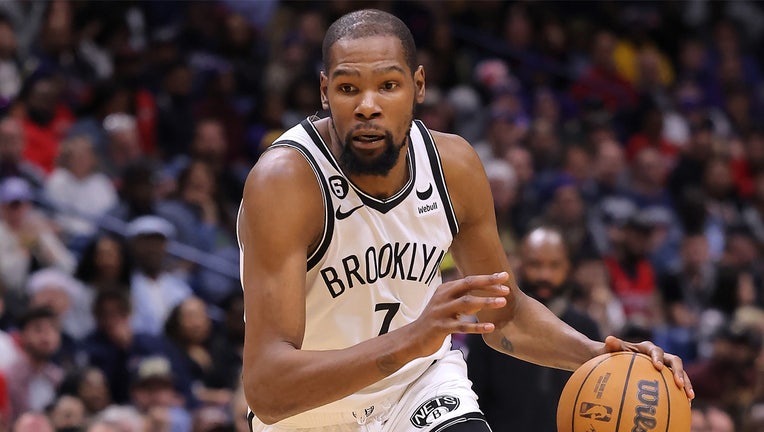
<point>380,165</point>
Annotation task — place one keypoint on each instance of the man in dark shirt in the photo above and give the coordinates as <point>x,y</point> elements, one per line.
<point>516,395</point>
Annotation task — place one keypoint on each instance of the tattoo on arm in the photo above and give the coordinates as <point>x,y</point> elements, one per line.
<point>387,364</point>
<point>507,344</point>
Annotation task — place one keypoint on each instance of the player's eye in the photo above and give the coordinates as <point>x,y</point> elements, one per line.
<point>390,85</point>
<point>346,88</point>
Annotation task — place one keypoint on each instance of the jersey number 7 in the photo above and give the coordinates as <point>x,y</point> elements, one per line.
<point>392,309</point>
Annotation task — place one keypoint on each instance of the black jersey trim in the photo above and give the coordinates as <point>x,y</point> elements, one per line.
<point>438,176</point>
<point>250,417</point>
<point>464,418</point>
<point>310,128</point>
<point>326,236</point>
<point>382,206</point>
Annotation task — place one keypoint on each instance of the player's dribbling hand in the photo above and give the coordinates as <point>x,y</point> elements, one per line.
<point>660,358</point>
<point>457,298</point>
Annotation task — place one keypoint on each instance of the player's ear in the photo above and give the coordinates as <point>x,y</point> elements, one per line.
<point>419,84</point>
<point>324,85</point>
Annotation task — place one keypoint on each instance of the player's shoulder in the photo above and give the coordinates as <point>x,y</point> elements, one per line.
<point>456,153</point>
<point>284,157</point>
<point>281,168</point>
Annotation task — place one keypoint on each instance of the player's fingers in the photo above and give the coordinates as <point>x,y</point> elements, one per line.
<point>475,327</point>
<point>613,344</point>
<point>492,282</point>
<point>655,352</point>
<point>470,304</point>
<point>680,376</point>
<point>688,390</point>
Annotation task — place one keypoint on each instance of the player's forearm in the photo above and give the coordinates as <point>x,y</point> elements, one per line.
<point>288,381</point>
<point>537,335</point>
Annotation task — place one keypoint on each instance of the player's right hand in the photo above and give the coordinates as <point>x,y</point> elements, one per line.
<point>443,314</point>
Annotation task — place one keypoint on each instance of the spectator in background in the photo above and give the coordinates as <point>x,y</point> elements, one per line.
<point>504,188</point>
<point>753,209</point>
<point>33,422</point>
<point>687,174</point>
<point>45,119</point>
<point>119,418</point>
<point>5,403</point>
<point>631,274</point>
<point>602,81</point>
<point>140,196</point>
<point>205,350</point>
<point>115,348</point>
<point>33,379</point>
<point>650,135</point>
<point>79,190</point>
<point>504,132</point>
<point>10,63</point>
<point>608,173</point>
<point>239,411</point>
<point>727,378</point>
<point>199,201</point>
<point>501,381</point>
<point>153,393</point>
<point>686,294</point>
<point>565,210</point>
<point>105,264</point>
<point>648,179</point>
<point>89,385</point>
<point>106,97</point>
<point>211,146</point>
<point>154,291</point>
<point>721,204</point>
<point>220,102</point>
<point>747,161</point>
<point>598,299</point>
<point>12,163</point>
<point>27,240</point>
<point>123,145</point>
<point>709,418</point>
<point>529,204</point>
<point>66,296</point>
<point>175,121</point>
<point>67,413</point>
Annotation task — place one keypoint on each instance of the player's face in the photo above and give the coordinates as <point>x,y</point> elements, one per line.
<point>370,93</point>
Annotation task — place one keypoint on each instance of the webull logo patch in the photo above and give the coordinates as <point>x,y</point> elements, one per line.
<point>433,409</point>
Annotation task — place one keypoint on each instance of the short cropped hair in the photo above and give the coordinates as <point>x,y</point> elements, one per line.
<point>366,23</point>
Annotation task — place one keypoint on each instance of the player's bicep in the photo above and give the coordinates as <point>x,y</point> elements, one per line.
<point>277,225</point>
<point>477,248</point>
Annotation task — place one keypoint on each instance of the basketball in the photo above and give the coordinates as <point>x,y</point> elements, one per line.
<point>622,392</point>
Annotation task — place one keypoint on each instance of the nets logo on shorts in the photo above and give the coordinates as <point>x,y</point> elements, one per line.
<point>433,409</point>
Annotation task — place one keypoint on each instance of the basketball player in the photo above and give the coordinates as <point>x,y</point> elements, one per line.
<point>343,224</point>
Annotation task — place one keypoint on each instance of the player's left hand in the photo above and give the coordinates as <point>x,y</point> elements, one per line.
<point>660,358</point>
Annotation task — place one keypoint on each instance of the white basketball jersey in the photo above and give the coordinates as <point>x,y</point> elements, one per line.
<point>378,262</point>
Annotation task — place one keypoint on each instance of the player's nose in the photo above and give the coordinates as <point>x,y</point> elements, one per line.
<point>368,107</point>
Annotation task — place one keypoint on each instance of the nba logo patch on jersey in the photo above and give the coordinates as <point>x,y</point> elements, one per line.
<point>433,409</point>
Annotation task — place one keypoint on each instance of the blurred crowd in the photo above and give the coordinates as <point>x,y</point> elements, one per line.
<point>631,131</point>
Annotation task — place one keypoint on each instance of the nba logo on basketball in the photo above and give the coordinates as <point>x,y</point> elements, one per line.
<point>595,412</point>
